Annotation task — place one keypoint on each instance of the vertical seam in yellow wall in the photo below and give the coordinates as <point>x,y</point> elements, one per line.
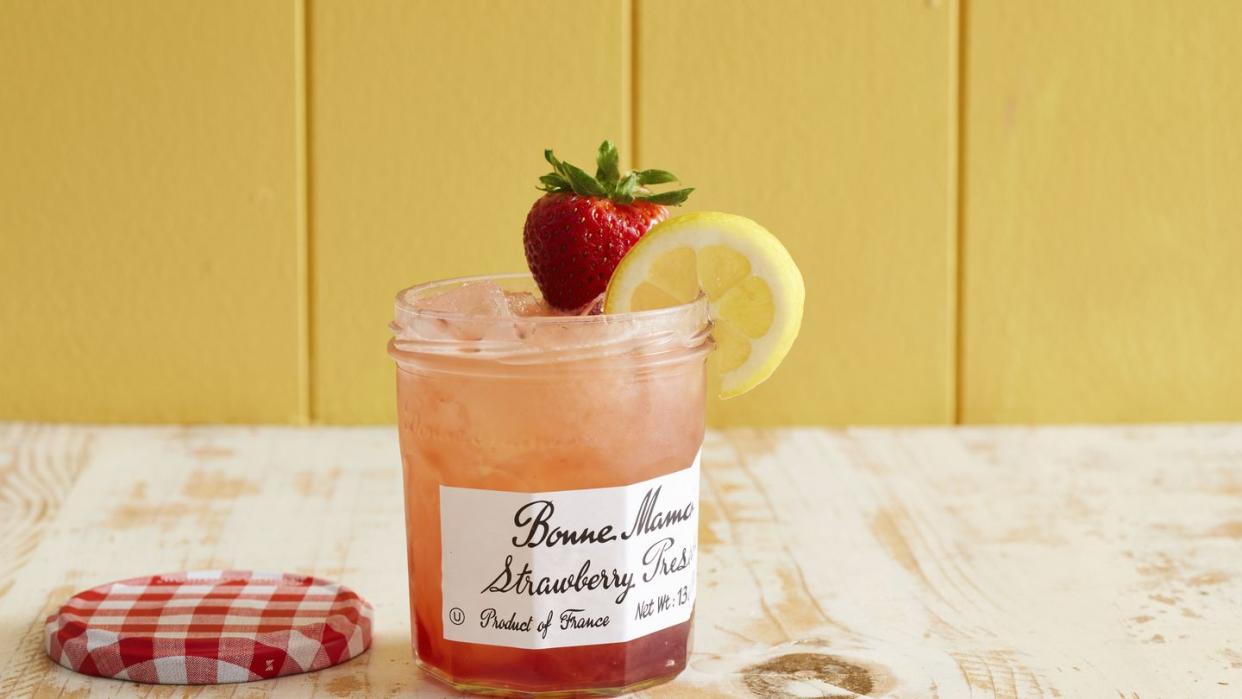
<point>962,55</point>
<point>306,211</point>
<point>631,30</point>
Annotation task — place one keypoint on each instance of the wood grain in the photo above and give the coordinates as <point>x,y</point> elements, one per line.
<point>936,562</point>
<point>38,466</point>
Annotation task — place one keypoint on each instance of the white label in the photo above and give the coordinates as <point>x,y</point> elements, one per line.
<point>570,567</point>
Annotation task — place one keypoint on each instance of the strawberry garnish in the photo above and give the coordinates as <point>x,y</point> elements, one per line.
<point>577,233</point>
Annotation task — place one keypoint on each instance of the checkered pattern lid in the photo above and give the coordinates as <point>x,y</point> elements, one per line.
<point>209,627</point>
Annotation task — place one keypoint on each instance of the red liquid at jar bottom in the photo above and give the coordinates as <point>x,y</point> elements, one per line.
<point>604,669</point>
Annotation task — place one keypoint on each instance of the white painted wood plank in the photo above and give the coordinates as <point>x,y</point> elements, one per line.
<point>1001,562</point>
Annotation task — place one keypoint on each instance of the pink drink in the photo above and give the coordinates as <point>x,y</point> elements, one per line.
<point>560,455</point>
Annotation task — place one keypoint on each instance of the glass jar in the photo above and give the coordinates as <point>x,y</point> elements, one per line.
<point>551,492</point>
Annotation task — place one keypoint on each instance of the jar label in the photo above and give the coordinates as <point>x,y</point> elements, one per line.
<point>569,567</point>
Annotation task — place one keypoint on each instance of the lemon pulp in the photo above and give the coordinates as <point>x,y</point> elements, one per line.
<point>753,287</point>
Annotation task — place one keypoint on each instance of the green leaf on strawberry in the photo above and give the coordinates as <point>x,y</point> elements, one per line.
<point>624,193</point>
<point>554,182</point>
<point>608,181</point>
<point>673,198</point>
<point>583,183</point>
<point>655,176</point>
<point>606,164</point>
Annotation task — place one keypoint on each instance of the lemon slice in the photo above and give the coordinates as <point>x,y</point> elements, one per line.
<point>753,287</point>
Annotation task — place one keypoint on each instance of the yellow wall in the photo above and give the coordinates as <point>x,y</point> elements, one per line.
<point>832,123</point>
<point>151,211</point>
<point>1103,218</point>
<point>205,208</point>
<point>429,121</point>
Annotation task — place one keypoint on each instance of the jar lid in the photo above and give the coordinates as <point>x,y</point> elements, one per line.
<point>209,627</point>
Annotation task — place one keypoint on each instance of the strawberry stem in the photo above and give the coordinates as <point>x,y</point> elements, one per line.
<point>608,181</point>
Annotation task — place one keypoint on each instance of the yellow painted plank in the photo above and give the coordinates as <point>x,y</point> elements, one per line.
<point>149,211</point>
<point>1103,238</point>
<point>834,125</point>
<point>429,121</point>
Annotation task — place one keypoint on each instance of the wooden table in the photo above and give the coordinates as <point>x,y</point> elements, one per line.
<point>1055,562</point>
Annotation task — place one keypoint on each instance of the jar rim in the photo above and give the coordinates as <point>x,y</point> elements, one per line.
<point>403,305</point>
<point>659,335</point>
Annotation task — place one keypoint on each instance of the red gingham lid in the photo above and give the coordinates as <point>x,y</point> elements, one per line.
<point>209,627</point>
